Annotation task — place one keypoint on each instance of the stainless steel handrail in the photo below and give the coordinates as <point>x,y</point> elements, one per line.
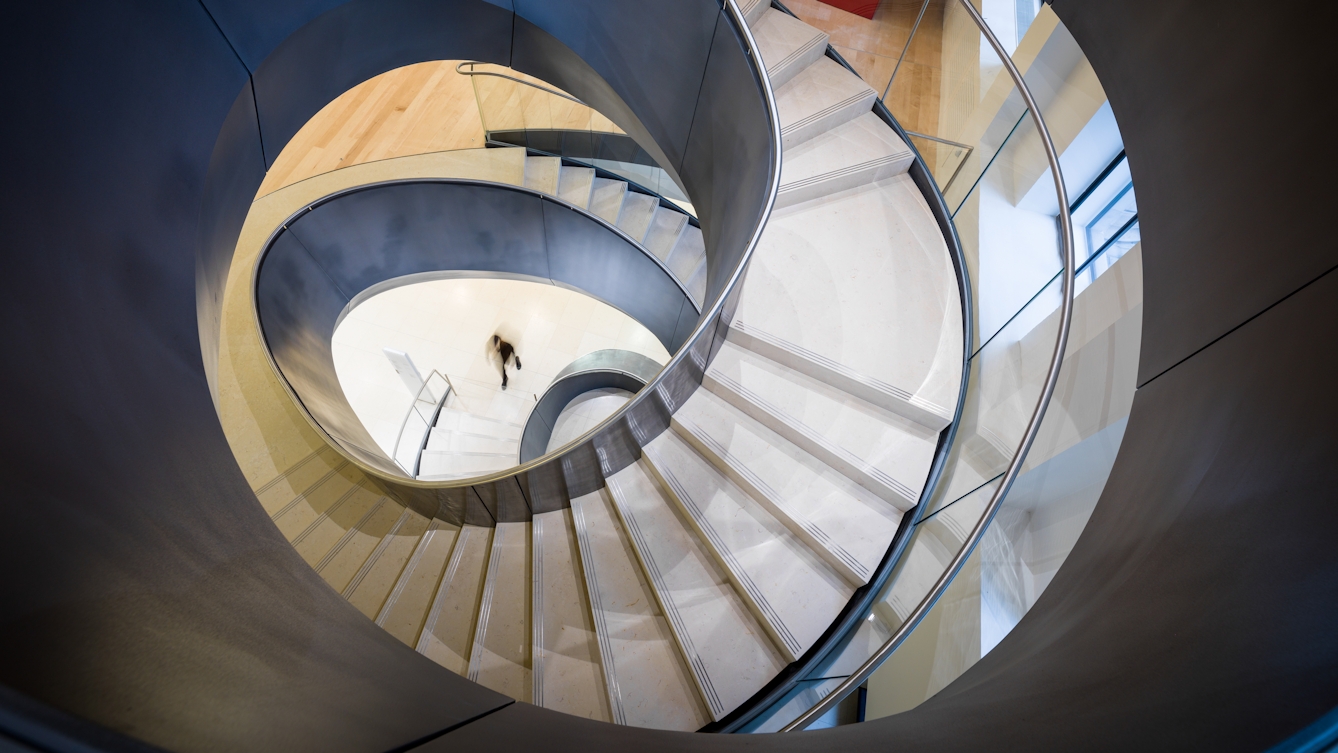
<point>531,84</point>
<point>1033,425</point>
<point>395,453</point>
<point>706,321</point>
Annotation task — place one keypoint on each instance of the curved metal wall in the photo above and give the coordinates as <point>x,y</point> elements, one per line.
<point>331,253</point>
<point>146,590</point>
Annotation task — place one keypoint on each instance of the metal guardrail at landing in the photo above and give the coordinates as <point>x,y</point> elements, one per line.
<point>460,69</point>
<point>861,675</point>
<point>429,420</point>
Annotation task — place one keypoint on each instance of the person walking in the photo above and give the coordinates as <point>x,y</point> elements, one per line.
<point>506,351</point>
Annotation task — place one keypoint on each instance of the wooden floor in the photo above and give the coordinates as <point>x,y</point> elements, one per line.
<point>429,107</point>
<point>417,109</point>
<point>873,48</point>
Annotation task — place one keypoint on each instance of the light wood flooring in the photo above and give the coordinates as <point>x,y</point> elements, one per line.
<point>417,109</point>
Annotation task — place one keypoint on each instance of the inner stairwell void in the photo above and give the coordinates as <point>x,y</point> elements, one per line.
<point>695,575</point>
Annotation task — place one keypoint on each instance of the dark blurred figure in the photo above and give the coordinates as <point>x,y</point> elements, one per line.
<point>507,351</point>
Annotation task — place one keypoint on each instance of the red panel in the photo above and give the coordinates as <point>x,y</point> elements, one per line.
<point>858,7</point>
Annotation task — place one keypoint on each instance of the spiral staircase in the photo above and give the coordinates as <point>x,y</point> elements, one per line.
<point>674,594</point>
<point>638,575</point>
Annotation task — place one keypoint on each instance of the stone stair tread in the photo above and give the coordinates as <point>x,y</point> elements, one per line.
<point>446,465</point>
<point>883,452</point>
<point>849,526</point>
<point>821,282</point>
<point>606,199</point>
<point>665,227</point>
<point>729,654</point>
<point>542,173</point>
<point>636,214</point>
<point>794,594</point>
<point>451,419</point>
<point>853,153</point>
<point>451,440</point>
<point>647,683</point>
<point>786,44</point>
<point>448,634</point>
<point>564,660</point>
<point>819,98</point>
<point>342,563</point>
<point>499,657</point>
<point>575,184</point>
<point>753,9</point>
<point>687,254</point>
<point>374,581</point>
<point>405,610</point>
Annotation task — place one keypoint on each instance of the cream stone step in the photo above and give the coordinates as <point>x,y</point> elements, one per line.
<point>688,253</point>
<point>542,174</point>
<point>791,592</point>
<point>405,610</point>
<point>819,98</point>
<point>856,152</point>
<point>329,527</point>
<point>787,45</point>
<point>728,653</point>
<point>326,489</point>
<point>451,419</point>
<point>575,185</point>
<point>636,214</point>
<point>499,658</point>
<point>753,9</point>
<point>438,465</point>
<point>300,477</point>
<point>606,198</point>
<point>883,452</point>
<point>374,581</point>
<point>346,558</point>
<point>844,523</point>
<point>448,633</point>
<point>645,679</point>
<point>564,654</point>
<point>665,228</point>
<point>450,440</point>
<point>857,289</point>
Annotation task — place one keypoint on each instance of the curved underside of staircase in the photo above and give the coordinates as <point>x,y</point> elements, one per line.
<point>152,600</point>
<point>684,582</point>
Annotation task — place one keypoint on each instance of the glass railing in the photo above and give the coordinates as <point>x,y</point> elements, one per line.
<point>419,420</point>
<point>520,110</point>
<point>986,147</point>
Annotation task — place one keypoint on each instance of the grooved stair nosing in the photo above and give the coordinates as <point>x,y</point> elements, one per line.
<point>876,475</point>
<point>376,553</point>
<point>602,639</point>
<point>407,573</point>
<point>901,396</point>
<point>314,486</point>
<point>667,606</point>
<point>829,110</point>
<point>867,166</point>
<point>836,555</point>
<point>439,598</point>
<point>771,619</point>
<point>349,534</point>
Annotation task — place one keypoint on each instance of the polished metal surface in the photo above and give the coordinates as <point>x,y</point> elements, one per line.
<point>466,68</point>
<point>622,369</point>
<point>735,83</point>
<point>386,234</point>
<point>860,676</point>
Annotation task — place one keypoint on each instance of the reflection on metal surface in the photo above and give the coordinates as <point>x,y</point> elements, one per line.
<point>857,678</point>
<point>622,369</point>
<point>746,182</point>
